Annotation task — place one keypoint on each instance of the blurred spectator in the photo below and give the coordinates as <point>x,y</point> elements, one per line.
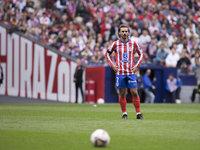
<point>197,75</point>
<point>84,59</point>
<point>21,4</point>
<point>135,37</point>
<point>183,63</point>
<point>198,27</point>
<point>80,22</point>
<point>128,6</point>
<point>71,9</point>
<point>172,58</point>
<point>145,37</point>
<point>161,55</point>
<point>152,48</point>
<point>120,8</point>
<point>172,38</point>
<point>86,52</point>
<point>195,62</point>
<point>105,28</point>
<point>148,87</point>
<point>114,31</point>
<point>80,12</point>
<point>61,5</point>
<point>164,41</point>
<point>153,28</point>
<point>65,48</point>
<point>44,19</point>
<point>173,87</point>
<point>32,21</point>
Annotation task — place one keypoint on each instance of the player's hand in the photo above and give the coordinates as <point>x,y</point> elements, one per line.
<point>115,68</point>
<point>134,68</point>
<point>74,79</point>
<point>153,87</point>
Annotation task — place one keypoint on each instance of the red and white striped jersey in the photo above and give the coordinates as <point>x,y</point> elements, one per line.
<point>124,53</point>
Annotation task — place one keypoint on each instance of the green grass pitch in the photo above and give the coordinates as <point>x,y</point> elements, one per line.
<point>69,126</point>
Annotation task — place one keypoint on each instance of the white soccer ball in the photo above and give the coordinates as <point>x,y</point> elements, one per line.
<point>100,101</point>
<point>178,101</point>
<point>100,138</point>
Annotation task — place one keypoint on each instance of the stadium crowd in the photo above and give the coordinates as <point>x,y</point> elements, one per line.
<point>168,31</point>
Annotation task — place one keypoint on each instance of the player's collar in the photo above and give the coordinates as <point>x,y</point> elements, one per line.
<point>124,42</point>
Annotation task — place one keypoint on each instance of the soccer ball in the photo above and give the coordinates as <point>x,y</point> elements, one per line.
<point>100,138</point>
<point>100,101</point>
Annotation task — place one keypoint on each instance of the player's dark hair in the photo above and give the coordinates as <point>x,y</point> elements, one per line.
<point>123,26</point>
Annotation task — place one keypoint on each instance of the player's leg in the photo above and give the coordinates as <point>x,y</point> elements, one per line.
<point>121,85</point>
<point>122,101</point>
<point>135,99</point>
<point>132,85</point>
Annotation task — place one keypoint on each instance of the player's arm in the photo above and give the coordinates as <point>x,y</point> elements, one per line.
<point>107,55</point>
<point>141,56</point>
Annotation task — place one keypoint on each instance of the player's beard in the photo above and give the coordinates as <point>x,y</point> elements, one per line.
<point>125,36</point>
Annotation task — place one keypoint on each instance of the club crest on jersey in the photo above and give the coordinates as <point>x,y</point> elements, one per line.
<point>130,49</point>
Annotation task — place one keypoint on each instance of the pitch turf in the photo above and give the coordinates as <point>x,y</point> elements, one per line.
<point>69,126</point>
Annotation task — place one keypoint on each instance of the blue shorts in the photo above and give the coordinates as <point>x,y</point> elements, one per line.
<point>125,81</point>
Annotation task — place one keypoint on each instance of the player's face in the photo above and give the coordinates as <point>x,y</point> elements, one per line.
<point>124,33</point>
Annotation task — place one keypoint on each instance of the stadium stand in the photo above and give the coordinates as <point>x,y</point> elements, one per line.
<point>84,29</point>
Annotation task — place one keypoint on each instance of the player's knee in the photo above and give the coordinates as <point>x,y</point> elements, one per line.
<point>122,95</point>
<point>134,93</point>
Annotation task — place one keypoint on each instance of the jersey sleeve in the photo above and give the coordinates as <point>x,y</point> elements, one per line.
<point>109,52</point>
<point>140,53</point>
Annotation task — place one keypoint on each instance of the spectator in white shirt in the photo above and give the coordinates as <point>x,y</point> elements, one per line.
<point>21,5</point>
<point>60,6</point>
<point>172,58</point>
<point>135,37</point>
<point>45,20</point>
<point>144,37</point>
<point>172,38</point>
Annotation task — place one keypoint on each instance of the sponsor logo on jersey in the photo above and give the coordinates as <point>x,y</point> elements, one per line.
<point>125,58</point>
<point>129,81</point>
